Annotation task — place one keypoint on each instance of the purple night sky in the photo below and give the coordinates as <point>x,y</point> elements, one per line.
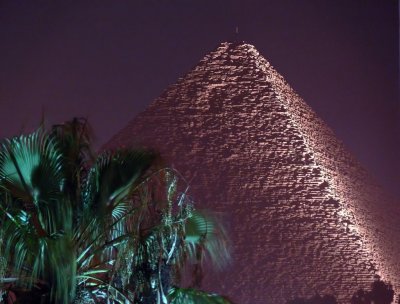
<point>107,61</point>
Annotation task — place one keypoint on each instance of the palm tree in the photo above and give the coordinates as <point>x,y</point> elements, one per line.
<point>116,228</point>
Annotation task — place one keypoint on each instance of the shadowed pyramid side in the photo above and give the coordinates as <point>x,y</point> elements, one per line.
<point>304,215</point>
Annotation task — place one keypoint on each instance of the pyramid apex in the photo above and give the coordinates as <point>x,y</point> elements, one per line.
<point>236,43</point>
<point>233,47</point>
<point>297,201</point>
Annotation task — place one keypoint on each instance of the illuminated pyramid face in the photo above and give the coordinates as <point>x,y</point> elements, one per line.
<point>304,217</point>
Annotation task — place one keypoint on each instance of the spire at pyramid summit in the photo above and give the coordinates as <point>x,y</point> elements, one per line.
<point>304,215</point>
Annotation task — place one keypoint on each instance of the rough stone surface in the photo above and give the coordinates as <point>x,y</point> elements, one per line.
<point>304,216</point>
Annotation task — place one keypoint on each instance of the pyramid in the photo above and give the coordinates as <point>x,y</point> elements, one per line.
<point>303,215</point>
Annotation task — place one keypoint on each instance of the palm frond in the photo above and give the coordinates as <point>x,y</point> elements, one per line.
<point>205,233</point>
<point>115,229</point>
<point>113,175</point>
<point>31,167</point>
<point>74,138</point>
<point>194,296</point>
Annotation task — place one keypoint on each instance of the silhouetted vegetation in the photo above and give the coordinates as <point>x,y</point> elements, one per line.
<point>380,293</point>
<point>361,297</point>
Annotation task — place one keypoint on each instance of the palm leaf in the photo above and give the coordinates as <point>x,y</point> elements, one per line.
<point>114,230</point>
<point>194,296</point>
<point>112,177</point>
<point>205,233</point>
<point>31,167</point>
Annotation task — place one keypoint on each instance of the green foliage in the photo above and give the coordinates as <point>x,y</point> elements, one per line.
<point>193,296</point>
<point>79,229</point>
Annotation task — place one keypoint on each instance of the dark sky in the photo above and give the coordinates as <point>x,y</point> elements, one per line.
<point>106,60</point>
